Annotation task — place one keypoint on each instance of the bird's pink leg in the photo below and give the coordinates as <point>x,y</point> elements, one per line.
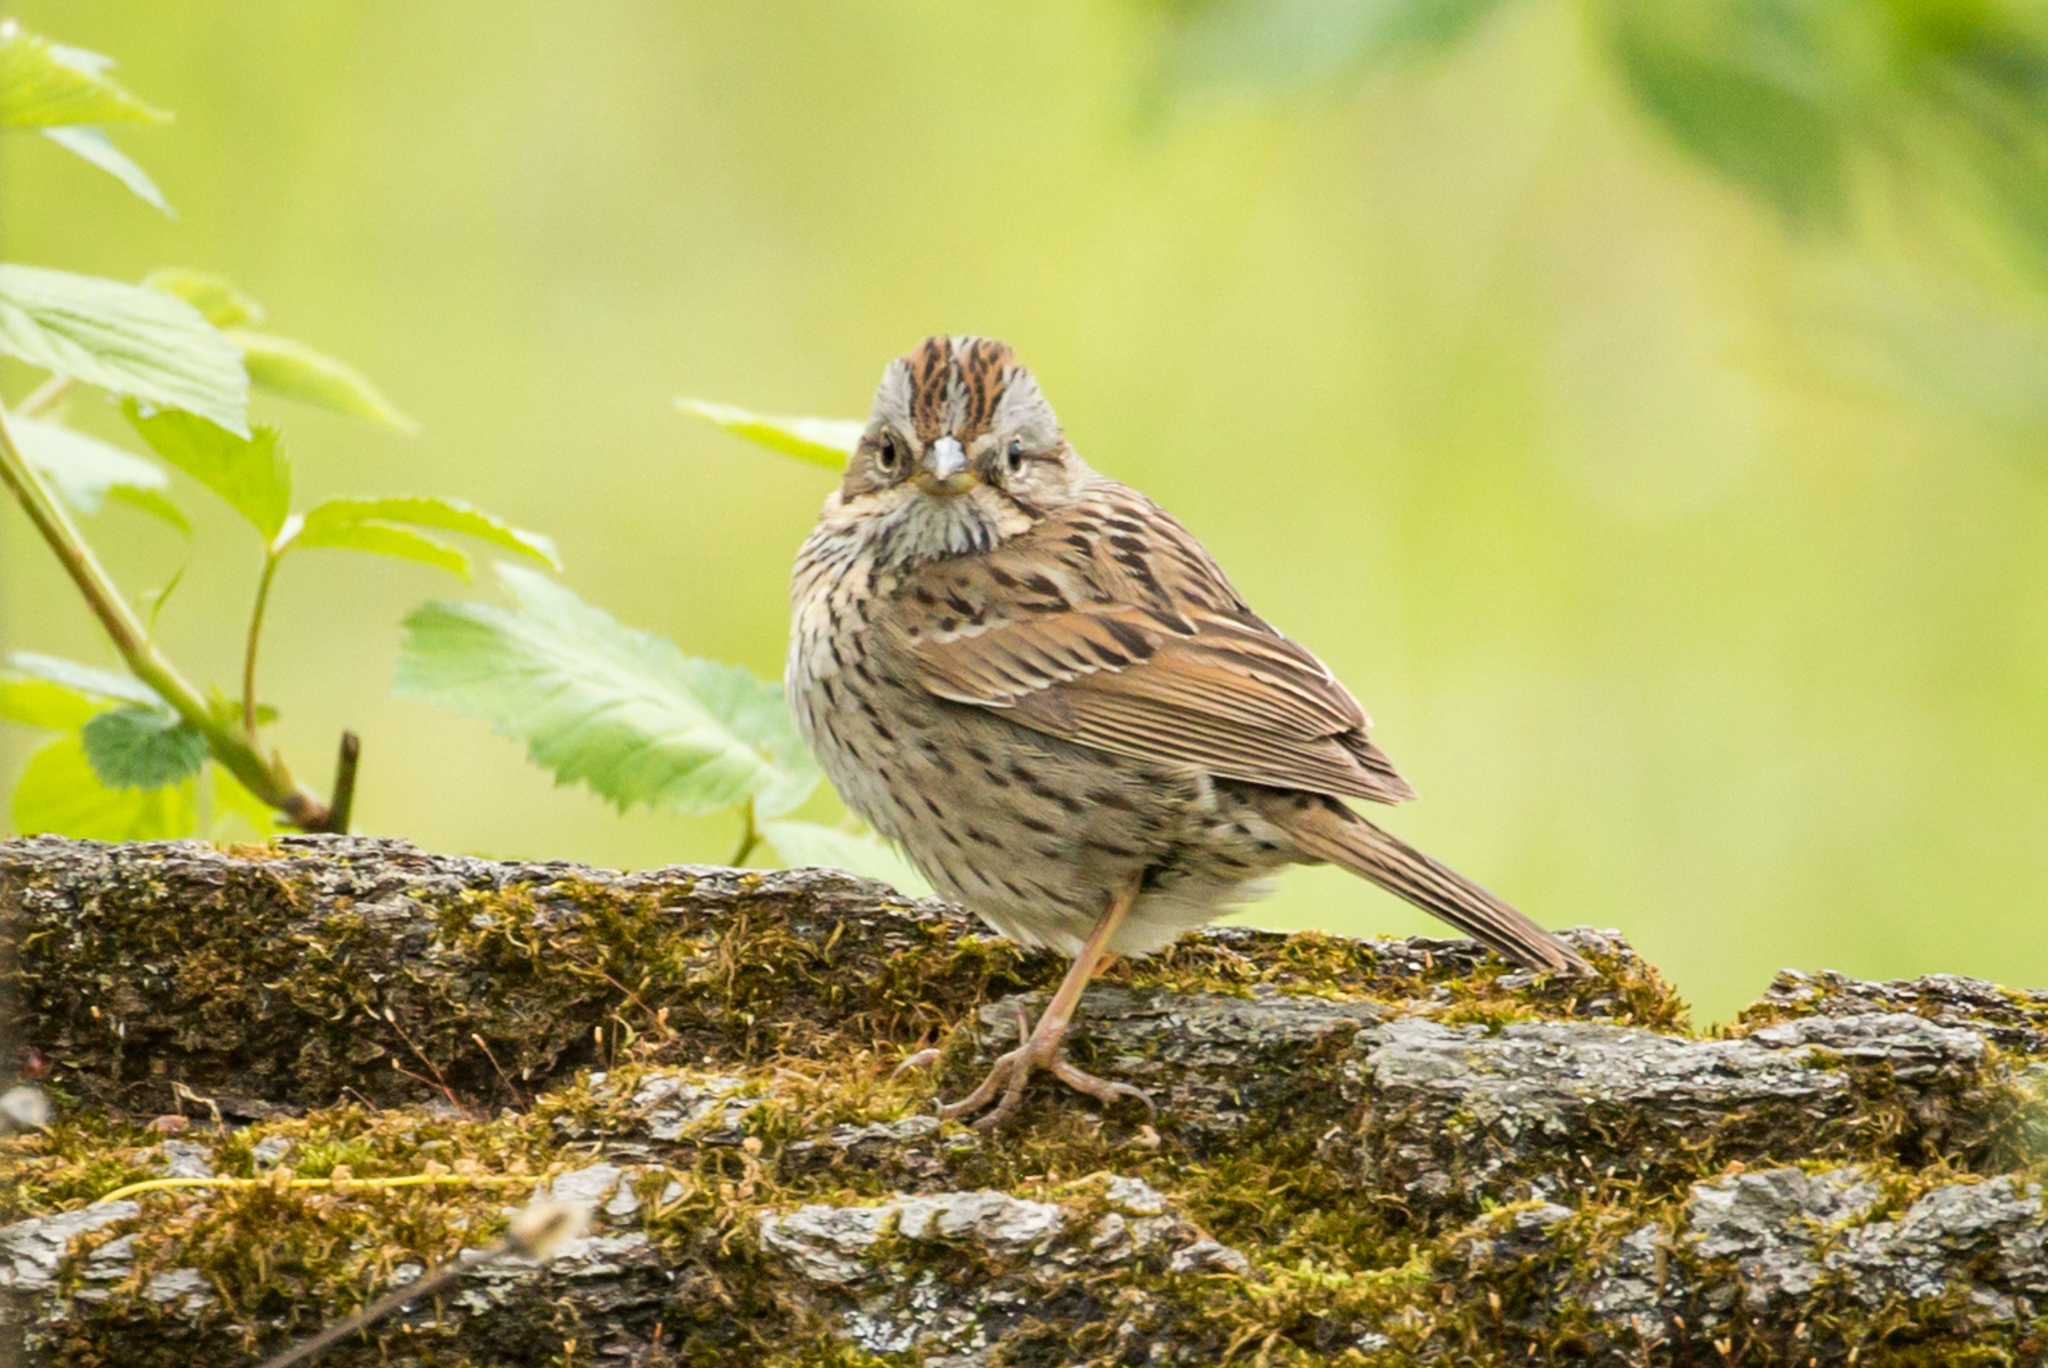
<point>1041,1050</point>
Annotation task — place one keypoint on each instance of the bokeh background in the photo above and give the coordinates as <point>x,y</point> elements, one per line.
<point>1686,533</point>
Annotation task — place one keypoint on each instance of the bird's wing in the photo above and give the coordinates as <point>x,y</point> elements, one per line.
<point>1110,625</point>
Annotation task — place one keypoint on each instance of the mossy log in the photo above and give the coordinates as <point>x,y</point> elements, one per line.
<point>1371,1152</point>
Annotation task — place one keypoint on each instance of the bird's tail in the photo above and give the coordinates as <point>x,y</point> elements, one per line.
<point>1327,830</point>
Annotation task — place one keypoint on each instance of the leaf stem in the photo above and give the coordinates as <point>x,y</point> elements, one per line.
<point>750,836</point>
<point>44,396</point>
<point>270,780</point>
<point>271,558</point>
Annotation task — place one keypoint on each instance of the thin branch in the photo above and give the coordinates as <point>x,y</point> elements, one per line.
<point>271,559</point>
<point>270,780</point>
<point>341,806</point>
<point>750,836</point>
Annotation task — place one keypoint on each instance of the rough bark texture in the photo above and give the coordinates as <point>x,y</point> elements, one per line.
<point>1379,1152</point>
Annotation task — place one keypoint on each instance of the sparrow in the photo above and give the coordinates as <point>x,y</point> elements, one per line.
<point>1043,688</point>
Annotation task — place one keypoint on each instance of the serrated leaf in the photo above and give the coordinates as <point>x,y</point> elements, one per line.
<point>620,710</point>
<point>449,515</point>
<point>214,296</point>
<point>821,441</point>
<point>60,795</point>
<point>83,469</point>
<point>803,844</point>
<point>88,679</point>
<point>31,702</point>
<point>133,341</point>
<point>94,146</point>
<point>43,84</point>
<point>142,748</point>
<point>293,370</point>
<point>386,539</point>
<point>251,473</point>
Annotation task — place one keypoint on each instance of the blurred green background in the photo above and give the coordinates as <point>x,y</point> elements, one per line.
<point>1689,551</point>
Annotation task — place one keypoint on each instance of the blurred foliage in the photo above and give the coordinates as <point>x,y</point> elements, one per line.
<point>1653,505</point>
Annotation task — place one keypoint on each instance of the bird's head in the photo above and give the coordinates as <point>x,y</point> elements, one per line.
<point>961,452</point>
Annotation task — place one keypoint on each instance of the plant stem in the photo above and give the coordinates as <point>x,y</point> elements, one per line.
<point>271,559</point>
<point>750,836</point>
<point>43,396</point>
<point>268,780</point>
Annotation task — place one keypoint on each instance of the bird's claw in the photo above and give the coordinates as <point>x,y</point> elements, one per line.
<point>1012,1071</point>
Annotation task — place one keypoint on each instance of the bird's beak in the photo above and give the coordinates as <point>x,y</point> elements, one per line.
<point>944,469</point>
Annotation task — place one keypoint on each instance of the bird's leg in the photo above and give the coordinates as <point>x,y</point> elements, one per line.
<point>1041,1049</point>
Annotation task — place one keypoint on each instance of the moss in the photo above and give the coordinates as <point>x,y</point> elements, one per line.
<point>561,975</point>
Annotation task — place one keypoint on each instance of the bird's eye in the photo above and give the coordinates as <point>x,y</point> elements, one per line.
<point>885,454</point>
<point>1015,458</point>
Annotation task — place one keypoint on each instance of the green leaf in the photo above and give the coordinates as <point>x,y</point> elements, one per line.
<point>44,84</point>
<point>31,702</point>
<point>94,146</point>
<point>620,710</point>
<point>60,794</point>
<point>386,539</point>
<point>87,679</point>
<point>214,296</point>
<point>144,748</point>
<point>1751,87</point>
<point>1285,45</point>
<point>249,472</point>
<point>821,441</point>
<point>124,338</point>
<point>449,515</point>
<point>152,503</point>
<point>809,844</point>
<point>292,370</point>
<point>82,468</point>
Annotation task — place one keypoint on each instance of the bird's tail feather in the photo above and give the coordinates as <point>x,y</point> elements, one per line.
<point>1329,831</point>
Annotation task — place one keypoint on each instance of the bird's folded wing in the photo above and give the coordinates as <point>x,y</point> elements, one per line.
<point>1156,659</point>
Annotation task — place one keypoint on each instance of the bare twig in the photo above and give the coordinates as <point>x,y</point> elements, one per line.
<point>535,1233</point>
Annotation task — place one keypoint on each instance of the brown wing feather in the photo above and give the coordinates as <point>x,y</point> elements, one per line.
<point>1111,626</point>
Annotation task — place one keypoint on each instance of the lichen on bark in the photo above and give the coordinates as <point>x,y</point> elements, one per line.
<point>1378,1152</point>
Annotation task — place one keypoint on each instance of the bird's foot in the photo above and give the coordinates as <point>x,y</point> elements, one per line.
<point>1003,1089</point>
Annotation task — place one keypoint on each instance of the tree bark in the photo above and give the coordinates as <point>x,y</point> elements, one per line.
<point>1388,1151</point>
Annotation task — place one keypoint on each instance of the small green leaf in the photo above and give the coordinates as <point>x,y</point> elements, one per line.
<point>449,515</point>
<point>124,338</point>
<point>249,472</point>
<point>94,146</point>
<point>144,748</point>
<point>60,794</point>
<point>821,441</point>
<point>83,469</point>
<point>803,844</point>
<point>214,296</point>
<point>620,710</point>
<point>43,84</point>
<point>292,370</point>
<point>31,702</point>
<point>386,539</point>
<point>87,679</point>
<point>152,503</point>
